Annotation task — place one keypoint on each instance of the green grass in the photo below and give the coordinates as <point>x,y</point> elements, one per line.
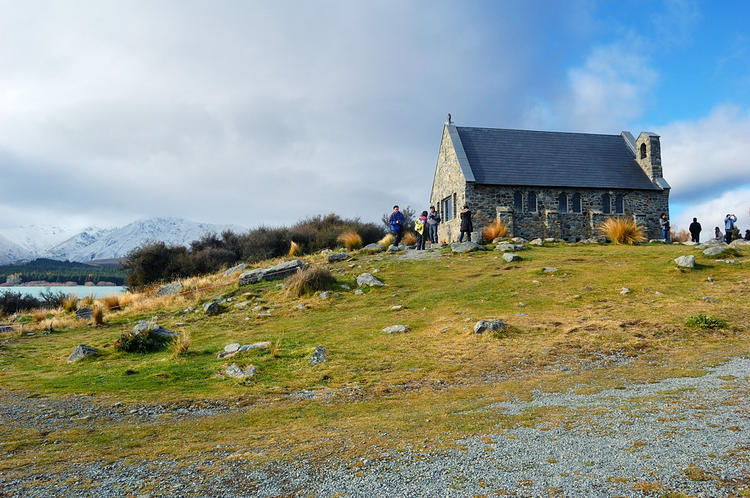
<point>568,318</point>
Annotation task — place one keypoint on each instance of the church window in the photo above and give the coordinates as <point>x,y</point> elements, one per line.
<point>576,203</point>
<point>619,204</point>
<point>446,206</point>
<point>643,151</point>
<point>531,202</point>
<point>518,201</point>
<point>562,202</point>
<point>606,204</point>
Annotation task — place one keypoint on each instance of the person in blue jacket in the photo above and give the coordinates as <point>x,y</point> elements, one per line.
<point>397,225</point>
<point>729,222</point>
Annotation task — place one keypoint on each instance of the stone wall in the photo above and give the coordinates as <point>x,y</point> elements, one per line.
<point>449,182</point>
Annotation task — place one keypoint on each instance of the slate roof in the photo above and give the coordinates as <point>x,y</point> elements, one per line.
<point>550,159</point>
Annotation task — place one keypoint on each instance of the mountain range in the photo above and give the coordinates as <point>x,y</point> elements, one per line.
<point>30,242</point>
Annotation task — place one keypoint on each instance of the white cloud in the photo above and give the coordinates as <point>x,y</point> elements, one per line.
<point>711,213</point>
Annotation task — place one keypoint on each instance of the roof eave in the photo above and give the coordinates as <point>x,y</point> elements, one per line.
<point>458,147</point>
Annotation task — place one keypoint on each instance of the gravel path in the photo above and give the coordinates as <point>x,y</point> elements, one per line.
<point>682,434</point>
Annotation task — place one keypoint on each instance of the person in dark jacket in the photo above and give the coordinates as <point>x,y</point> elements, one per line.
<point>433,220</point>
<point>747,234</point>
<point>397,224</point>
<point>695,230</point>
<point>664,225</point>
<point>466,225</point>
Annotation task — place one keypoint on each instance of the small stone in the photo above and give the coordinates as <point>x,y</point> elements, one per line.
<point>358,292</point>
<point>687,261</point>
<point>80,352</point>
<point>537,242</point>
<point>338,256</point>
<point>319,356</point>
<point>242,304</point>
<point>239,373</point>
<point>300,307</point>
<point>710,299</point>
<point>462,247</point>
<point>396,329</point>
<point>324,295</point>
<point>489,325</point>
<point>624,290</point>
<point>511,256</point>
<point>232,348</point>
<point>211,308</point>
<point>368,279</point>
<point>657,293</point>
<point>255,345</point>
<point>264,314</point>
<point>396,308</point>
<point>549,269</point>
<point>345,287</point>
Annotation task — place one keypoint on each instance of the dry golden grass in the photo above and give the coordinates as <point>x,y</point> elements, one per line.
<point>309,280</point>
<point>294,249</point>
<point>181,344</point>
<point>387,240</point>
<point>409,239</point>
<point>622,231</point>
<point>681,236</point>
<point>97,314</point>
<point>494,230</point>
<point>350,240</point>
<point>70,303</point>
<point>109,302</point>
<point>39,316</point>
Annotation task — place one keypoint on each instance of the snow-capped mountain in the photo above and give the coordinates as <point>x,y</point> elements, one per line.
<point>36,239</point>
<point>99,243</point>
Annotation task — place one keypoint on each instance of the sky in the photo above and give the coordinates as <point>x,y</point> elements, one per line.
<point>263,113</point>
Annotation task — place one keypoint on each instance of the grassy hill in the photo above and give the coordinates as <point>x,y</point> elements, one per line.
<point>573,328</point>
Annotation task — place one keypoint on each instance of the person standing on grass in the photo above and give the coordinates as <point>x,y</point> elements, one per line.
<point>695,230</point>
<point>729,222</point>
<point>397,225</point>
<point>466,226</point>
<point>421,229</point>
<point>664,225</point>
<point>747,234</point>
<point>433,220</point>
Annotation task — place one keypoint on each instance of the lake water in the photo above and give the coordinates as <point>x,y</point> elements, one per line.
<point>78,290</point>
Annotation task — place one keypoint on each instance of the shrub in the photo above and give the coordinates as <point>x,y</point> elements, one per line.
<point>294,249</point>
<point>410,215</point>
<point>50,299</point>
<point>309,280</point>
<point>39,316</point>
<point>350,240</point>
<point>681,236</point>
<point>387,240</point>
<point>701,321</point>
<point>13,302</point>
<point>181,344</point>
<point>494,230</point>
<point>144,341</point>
<point>152,263</point>
<point>409,239</point>
<point>97,314</point>
<point>622,231</point>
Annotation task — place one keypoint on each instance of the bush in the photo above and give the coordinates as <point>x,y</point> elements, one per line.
<point>622,231</point>
<point>144,341</point>
<point>494,230</point>
<point>350,240</point>
<point>294,249</point>
<point>701,321</point>
<point>308,281</point>
<point>13,302</point>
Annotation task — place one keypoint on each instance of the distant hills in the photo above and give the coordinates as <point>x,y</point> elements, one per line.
<point>31,242</point>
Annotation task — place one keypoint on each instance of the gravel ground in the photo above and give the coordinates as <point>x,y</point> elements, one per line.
<point>682,434</point>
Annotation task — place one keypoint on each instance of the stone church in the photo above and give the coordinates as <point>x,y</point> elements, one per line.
<point>547,184</point>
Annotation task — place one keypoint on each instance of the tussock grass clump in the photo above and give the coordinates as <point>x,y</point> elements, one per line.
<point>387,241</point>
<point>409,239</point>
<point>622,231</point>
<point>701,321</point>
<point>110,302</point>
<point>681,236</point>
<point>181,344</point>
<point>494,230</point>
<point>70,303</point>
<point>309,280</point>
<point>351,240</point>
<point>294,249</point>
<point>39,316</point>
<point>97,314</point>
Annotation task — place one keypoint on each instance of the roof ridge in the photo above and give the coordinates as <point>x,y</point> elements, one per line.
<point>540,131</point>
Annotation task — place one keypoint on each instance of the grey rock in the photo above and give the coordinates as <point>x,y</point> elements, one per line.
<point>242,304</point>
<point>300,306</point>
<point>80,352</point>
<point>255,345</point>
<point>153,329</point>
<point>687,261</point>
<point>393,248</point>
<point>275,272</point>
<point>358,292</point>
<point>507,246</point>
<point>235,269</point>
<point>461,247</point>
<point>519,240</point>
<point>240,373</point>
<point>739,243</point>
<point>550,239</point>
<point>396,329</point>
<point>326,251</point>
<point>511,256</point>
<point>714,251</point>
<point>368,279</point>
<point>232,348</point>
<point>624,291</point>
<point>689,243</point>
<point>396,308</point>
<point>489,325</point>
<point>345,287</point>
<point>84,313</point>
<point>373,248</point>
<point>549,269</point>
<point>264,314</point>
<point>324,295</point>
<point>710,299</point>
<point>6,328</point>
<point>319,356</point>
<point>169,290</point>
<point>537,242</point>
<point>258,308</point>
<point>338,256</point>
<point>211,308</point>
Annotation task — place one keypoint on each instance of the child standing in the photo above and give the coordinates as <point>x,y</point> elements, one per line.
<point>419,227</point>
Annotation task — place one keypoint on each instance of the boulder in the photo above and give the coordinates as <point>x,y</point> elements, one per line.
<point>80,352</point>
<point>338,256</point>
<point>461,247</point>
<point>685,261</point>
<point>739,243</point>
<point>211,308</point>
<point>153,329</point>
<point>714,251</point>
<point>235,269</point>
<point>319,356</point>
<point>84,313</point>
<point>489,325</point>
<point>396,329</point>
<point>511,256</point>
<point>507,246</point>
<point>169,290</point>
<point>282,270</point>
<point>537,242</point>
<point>239,373</point>
<point>373,248</point>
<point>232,348</point>
<point>368,279</point>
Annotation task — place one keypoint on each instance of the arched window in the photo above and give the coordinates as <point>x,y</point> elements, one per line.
<point>531,202</point>
<point>619,204</point>
<point>562,202</point>
<point>518,201</point>
<point>576,202</point>
<point>643,151</point>
<point>606,204</point>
